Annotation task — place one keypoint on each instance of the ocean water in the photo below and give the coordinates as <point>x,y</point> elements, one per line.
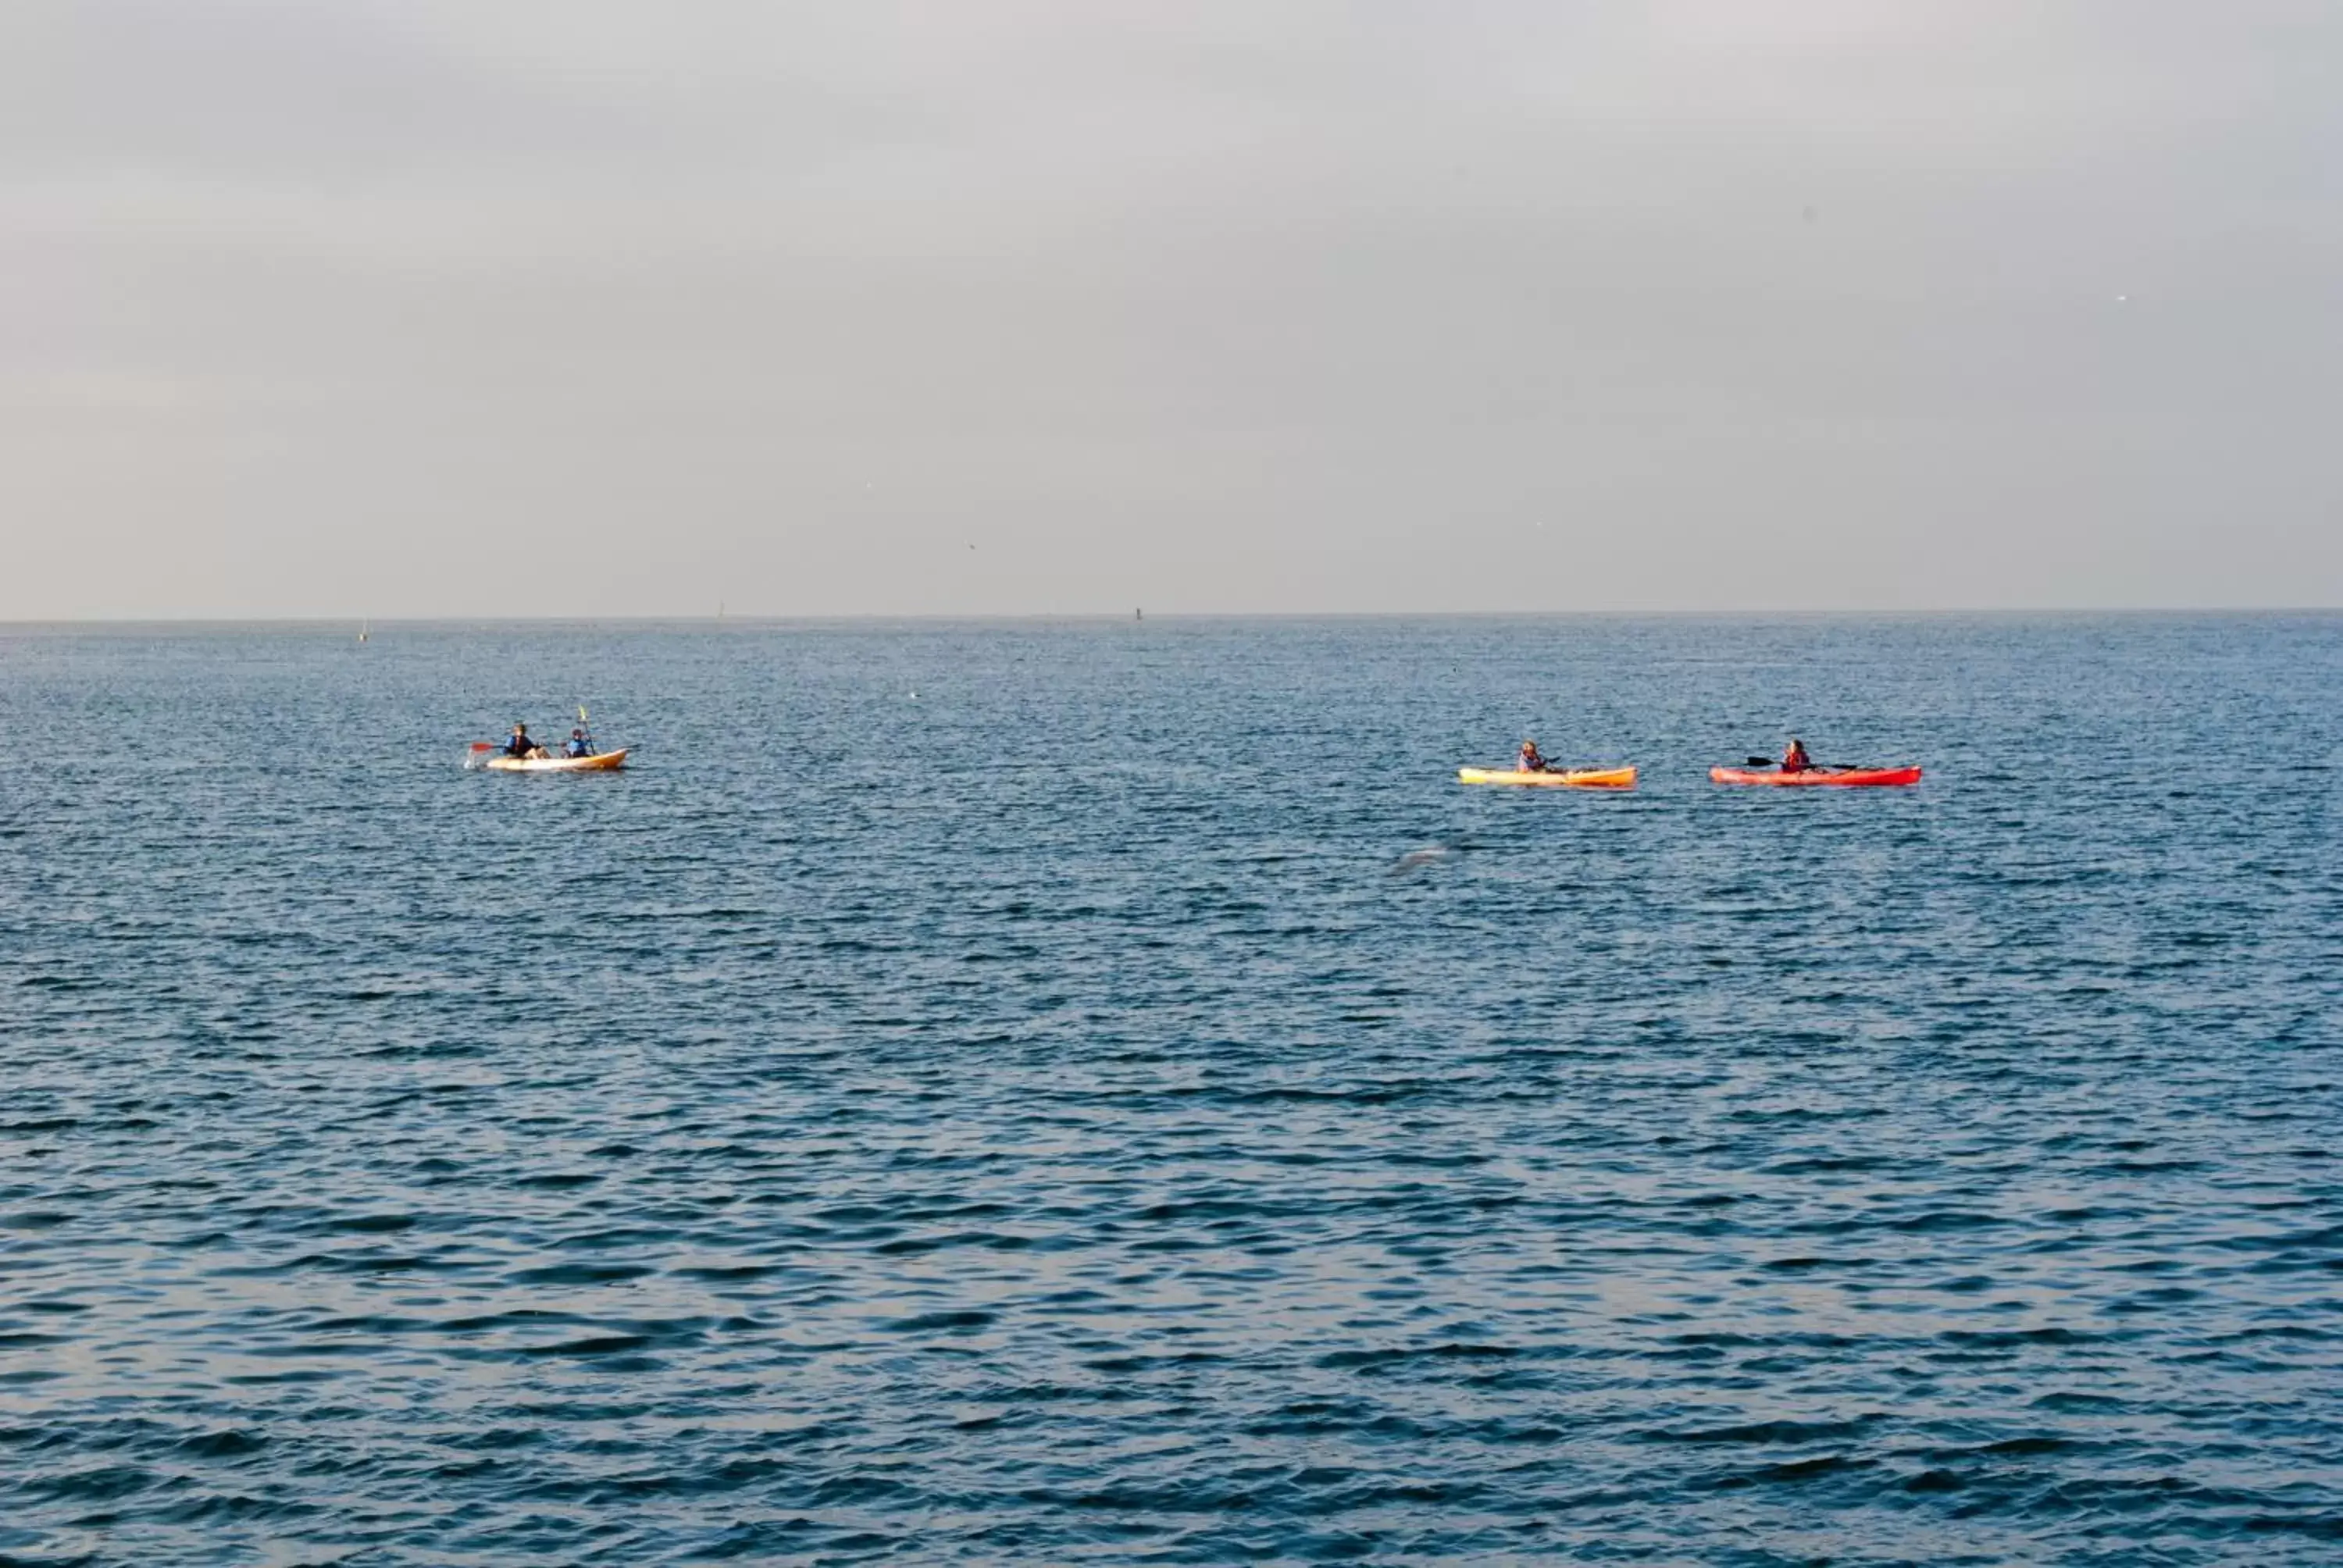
<point>1070,1093</point>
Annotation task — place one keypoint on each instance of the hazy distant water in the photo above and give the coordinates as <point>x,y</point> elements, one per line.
<point>1040,1121</point>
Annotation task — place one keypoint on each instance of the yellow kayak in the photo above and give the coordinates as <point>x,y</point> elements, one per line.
<point>598,762</point>
<point>1575,778</point>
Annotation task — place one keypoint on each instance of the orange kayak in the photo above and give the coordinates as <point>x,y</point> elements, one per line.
<point>1844,778</point>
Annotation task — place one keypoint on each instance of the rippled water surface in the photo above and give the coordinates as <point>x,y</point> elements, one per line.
<point>1095,1092</point>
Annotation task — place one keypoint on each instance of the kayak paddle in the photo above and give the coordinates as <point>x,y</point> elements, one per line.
<point>1820,766</point>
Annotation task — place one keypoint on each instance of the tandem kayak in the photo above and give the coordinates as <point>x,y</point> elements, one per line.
<point>1561,779</point>
<point>601,762</point>
<point>1842,777</point>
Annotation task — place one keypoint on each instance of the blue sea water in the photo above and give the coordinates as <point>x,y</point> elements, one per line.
<point>1101,1092</point>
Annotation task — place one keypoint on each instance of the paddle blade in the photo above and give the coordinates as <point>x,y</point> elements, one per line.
<point>1761,762</point>
<point>482,746</point>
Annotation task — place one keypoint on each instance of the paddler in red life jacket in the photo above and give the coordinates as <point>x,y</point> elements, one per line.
<point>1795,760</point>
<point>520,745</point>
<point>1530,760</point>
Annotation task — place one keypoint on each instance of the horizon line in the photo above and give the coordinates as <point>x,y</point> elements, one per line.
<point>1028,617</point>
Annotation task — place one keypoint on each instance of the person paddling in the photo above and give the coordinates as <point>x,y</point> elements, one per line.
<point>520,745</point>
<point>580,744</point>
<point>1795,760</point>
<point>1530,760</point>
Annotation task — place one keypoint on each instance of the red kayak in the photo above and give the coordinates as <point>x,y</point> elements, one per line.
<point>1842,777</point>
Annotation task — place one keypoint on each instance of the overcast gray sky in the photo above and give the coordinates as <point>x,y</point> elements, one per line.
<point>610,306</point>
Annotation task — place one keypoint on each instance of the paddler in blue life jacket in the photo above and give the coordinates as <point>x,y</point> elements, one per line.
<point>520,745</point>
<point>1530,760</point>
<point>580,744</point>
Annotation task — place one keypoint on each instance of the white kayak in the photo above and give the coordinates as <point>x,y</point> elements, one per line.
<point>601,762</point>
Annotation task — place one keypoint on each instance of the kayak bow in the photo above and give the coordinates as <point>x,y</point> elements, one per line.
<point>1844,778</point>
<point>1574,778</point>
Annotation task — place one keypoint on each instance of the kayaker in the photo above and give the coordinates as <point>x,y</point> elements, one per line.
<point>580,745</point>
<point>1795,760</point>
<point>520,745</point>
<point>1530,760</point>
